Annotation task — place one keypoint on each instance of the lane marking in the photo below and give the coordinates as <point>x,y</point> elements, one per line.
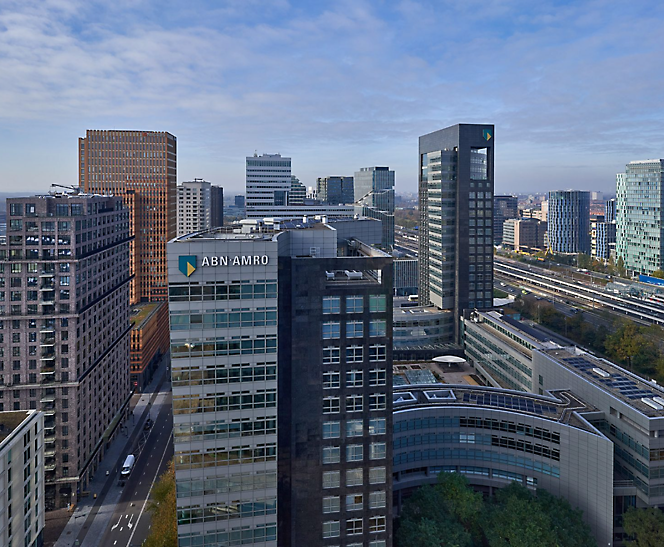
<point>116,524</point>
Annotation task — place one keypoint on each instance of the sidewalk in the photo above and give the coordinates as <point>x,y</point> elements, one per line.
<point>90,517</point>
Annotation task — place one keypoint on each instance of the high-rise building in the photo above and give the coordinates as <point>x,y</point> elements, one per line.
<point>268,181</point>
<point>523,234</point>
<point>297,193</point>
<point>610,210</point>
<point>285,449</point>
<point>335,190</point>
<point>504,207</point>
<point>216,206</point>
<point>139,166</point>
<point>239,202</point>
<point>194,207</point>
<point>22,478</point>
<point>640,216</point>
<point>569,221</point>
<point>456,218</point>
<point>66,327</point>
<point>374,193</point>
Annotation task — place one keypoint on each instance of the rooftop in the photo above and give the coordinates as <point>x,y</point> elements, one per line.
<point>140,313</point>
<point>646,397</point>
<point>9,421</point>
<point>561,406</point>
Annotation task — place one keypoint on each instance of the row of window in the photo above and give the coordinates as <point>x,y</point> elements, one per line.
<point>354,502</point>
<point>354,354</point>
<point>354,428</point>
<point>193,404</point>
<point>226,511</point>
<point>223,430</point>
<point>250,536</point>
<point>265,453</point>
<point>354,453</point>
<point>354,477</point>
<point>247,373</point>
<point>332,529</point>
<point>354,329</point>
<point>354,304</point>
<point>223,320</point>
<point>230,291</point>
<point>354,378</point>
<point>239,482</point>
<point>211,347</point>
<point>354,403</point>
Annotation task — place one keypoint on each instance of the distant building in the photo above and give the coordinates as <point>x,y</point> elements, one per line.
<point>374,193</point>
<point>268,181</point>
<point>194,207</point>
<point>456,219</point>
<point>216,206</point>
<point>22,478</point>
<point>640,216</point>
<point>149,341</point>
<point>239,202</point>
<point>569,221</point>
<point>405,276</point>
<point>298,192</point>
<point>504,207</point>
<point>66,270</point>
<point>524,234</point>
<point>335,190</point>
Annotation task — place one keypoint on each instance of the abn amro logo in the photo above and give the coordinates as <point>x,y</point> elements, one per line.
<point>187,265</point>
<point>487,134</point>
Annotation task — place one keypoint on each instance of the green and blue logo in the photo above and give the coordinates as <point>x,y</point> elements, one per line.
<point>187,265</point>
<point>487,135</point>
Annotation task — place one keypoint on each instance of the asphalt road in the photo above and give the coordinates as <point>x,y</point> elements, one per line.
<point>130,524</point>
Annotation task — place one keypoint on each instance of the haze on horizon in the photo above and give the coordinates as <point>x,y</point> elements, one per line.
<point>573,87</point>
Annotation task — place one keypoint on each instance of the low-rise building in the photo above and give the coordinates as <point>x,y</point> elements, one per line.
<point>149,341</point>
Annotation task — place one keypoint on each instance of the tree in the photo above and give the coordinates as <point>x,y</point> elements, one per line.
<point>620,265</point>
<point>646,526</point>
<point>658,273</point>
<point>164,529</point>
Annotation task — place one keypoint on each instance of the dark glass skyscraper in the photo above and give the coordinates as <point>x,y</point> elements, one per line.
<point>456,218</point>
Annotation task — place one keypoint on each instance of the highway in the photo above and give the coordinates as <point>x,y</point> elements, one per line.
<point>647,312</point>
<point>130,524</point>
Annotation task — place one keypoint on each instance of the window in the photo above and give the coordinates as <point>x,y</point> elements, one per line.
<point>354,304</point>
<point>377,377</point>
<point>377,327</point>
<point>354,428</point>
<point>354,477</point>
<point>377,475</point>
<point>331,405</point>
<point>377,303</point>
<point>377,543</point>
<point>331,430</point>
<point>354,502</point>
<point>331,355</point>
<point>331,529</point>
<point>354,378</point>
<point>331,454</point>
<point>331,329</point>
<point>377,524</point>
<point>377,426</point>
<point>377,401</point>
<point>331,380</point>
<point>354,329</point>
<point>331,304</point>
<point>354,354</point>
<point>353,526</point>
<point>377,500</point>
<point>331,504</point>
<point>377,451</point>
<point>377,352</point>
<point>354,453</point>
<point>354,403</point>
<point>331,479</point>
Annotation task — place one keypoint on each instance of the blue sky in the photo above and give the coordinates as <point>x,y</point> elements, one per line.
<point>574,88</point>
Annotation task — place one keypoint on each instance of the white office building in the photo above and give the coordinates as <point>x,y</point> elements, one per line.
<point>194,207</point>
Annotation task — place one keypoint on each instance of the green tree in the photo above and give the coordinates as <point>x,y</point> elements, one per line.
<point>658,273</point>
<point>164,530</point>
<point>646,526</point>
<point>620,266</point>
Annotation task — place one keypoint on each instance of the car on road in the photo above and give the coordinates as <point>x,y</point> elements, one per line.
<point>148,424</point>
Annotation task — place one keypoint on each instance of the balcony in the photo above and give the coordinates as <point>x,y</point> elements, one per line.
<point>48,341</point>
<point>49,468</point>
<point>49,452</point>
<point>49,436</point>
<point>47,284</point>
<point>47,354</point>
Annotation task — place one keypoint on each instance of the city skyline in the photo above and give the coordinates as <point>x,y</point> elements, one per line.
<point>334,87</point>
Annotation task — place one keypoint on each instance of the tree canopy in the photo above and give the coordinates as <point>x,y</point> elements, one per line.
<point>646,526</point>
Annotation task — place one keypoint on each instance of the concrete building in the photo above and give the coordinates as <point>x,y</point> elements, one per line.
<point>216,206</point>
<point>239,202</point>
<point>266,445</point>
<point>149,341</point>
<point>297,193</point>
<point>374,193</point>
<point>497,436</point>
<point>569,221</point>
<point>456,218</point>
<point>194,206</point>
<point>268,181</point>
<point>525,234</point>
<point>421,326</point>
<point>335,190</point>
<point>610,210</point>
<point>640,216</point>
<point>405,276</point>
<point>22,478</point>
<point>141,167</point>
<point>504,207</point>
<point>65,330</point>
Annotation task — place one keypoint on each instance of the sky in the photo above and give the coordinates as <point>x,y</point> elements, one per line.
<point>574,88</point>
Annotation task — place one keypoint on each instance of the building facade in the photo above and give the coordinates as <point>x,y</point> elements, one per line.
<point>525,234</point>
<point>194,207</point>
<point>149,341</point>
<point>268,181</point>
<point>255,375</point>
<point>335,190</point>
<point>140,167</point>
<point>640,216</point>
<point>504,207</point>
<point>456,218</point>
<point>65,327</point>
<point>297,193</point>
<point>22,478</point>
<point>374,193</point>
<point>216,206</point>
<point>569,221</point>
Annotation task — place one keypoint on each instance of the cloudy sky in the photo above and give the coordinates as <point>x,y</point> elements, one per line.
<point>574,88</point>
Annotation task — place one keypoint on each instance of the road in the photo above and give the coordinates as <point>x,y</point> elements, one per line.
<point>130,523</point>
